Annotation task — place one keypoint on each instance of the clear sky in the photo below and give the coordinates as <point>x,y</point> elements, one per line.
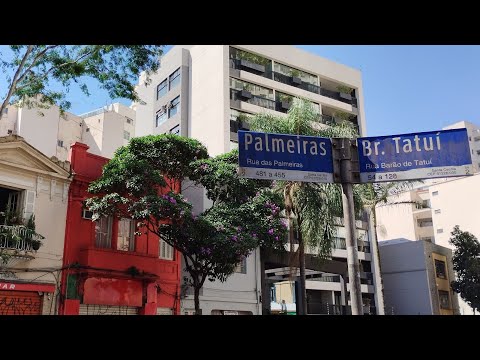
<point>406,88</point>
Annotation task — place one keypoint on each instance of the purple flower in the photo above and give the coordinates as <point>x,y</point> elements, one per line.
<point>239,228</point>
<point>258,193</point>
<point>173,201</point>
<point>270,232</point>
<point>204,166</point>
<point>254,235</point>
<point>276,238</point>
<point>234,238</point>
<point>165,196</point>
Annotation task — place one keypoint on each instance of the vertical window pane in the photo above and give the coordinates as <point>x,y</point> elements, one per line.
<point>165,251</point>
<point>160,118</point>
<point>174,106</point>
<point>162,89</point>
<point>440,269</point>
<point>103,232</point>
<point>175,130</point>
<point>174,79</point>
<point>125,239</point>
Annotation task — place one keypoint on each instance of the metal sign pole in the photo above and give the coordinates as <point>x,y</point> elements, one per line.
<point>348,175</point>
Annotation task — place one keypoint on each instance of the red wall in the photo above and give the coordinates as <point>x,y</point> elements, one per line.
<point>102,276</point>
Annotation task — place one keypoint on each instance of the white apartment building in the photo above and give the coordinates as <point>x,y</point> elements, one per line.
<point>108,128</point>
<point>440,205</point>
<point>103,130</point>
<point>473,132</point>
<point>199,92</point>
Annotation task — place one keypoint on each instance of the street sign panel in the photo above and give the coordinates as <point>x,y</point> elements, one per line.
<point>285,157</point>
<point>422,155</point>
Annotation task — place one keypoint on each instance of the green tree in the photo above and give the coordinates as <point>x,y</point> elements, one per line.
<point>381,194</point>
<point>245,214</point>
<point>31,70</point>
<point>312,208</point>
<point>466,264</point>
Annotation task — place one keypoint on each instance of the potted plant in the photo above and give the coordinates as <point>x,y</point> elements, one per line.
<point>246,92</point>
<point>31,235</point>
<point>285,101</point>
<point>252,61</point>
<point>295,75</point>
<point>342,116</point>
<point>345,92</point>
<point>242,122</point>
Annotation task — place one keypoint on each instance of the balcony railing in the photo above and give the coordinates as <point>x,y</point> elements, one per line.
<point>289,80</point>
<point>329,278</point>
<point>252,99</point>
<point>340,244</point>
<point>19,238</point>
<point>318,308</point>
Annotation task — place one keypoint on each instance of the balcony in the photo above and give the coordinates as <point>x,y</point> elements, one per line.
<point>19,240</point>
<point>260,70</point>
<point>243,95</point>
<point>117,260</point>
<point>318,308</point>
<point>340,244</point>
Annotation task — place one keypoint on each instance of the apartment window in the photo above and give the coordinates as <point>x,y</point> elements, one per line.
<point>5,111</point>
<point>87,214</point>
<point>435,193</point>
<point>438,211</point>
<point>160,118</point>
<point>126,235</point>
<point>425,222</point>
<point>439,231</point>
<point>126,135</point>
<point>174,105</point>
<point>129,121</point>
<point>103,232</point>
<point>469,138</point>
<point>273,293</point>
<point>175,130</point>
<point>476,138</point>
<point>440,269</point>
<point>478,152</point>
<point>174,79</point>
<point>162,89</point>
<point>166,251</point>
<point>241,267</point>
<point>60,143</point>
<point>339,243</point>
<point>444,298</point>
<point>427,238</point>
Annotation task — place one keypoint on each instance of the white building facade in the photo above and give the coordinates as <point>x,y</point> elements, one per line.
<point>200,91</point>
<point>51,132</point>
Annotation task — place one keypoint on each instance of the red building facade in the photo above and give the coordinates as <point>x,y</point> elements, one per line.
<point>109,269</point>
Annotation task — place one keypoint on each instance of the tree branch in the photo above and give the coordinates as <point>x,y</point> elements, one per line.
<point>15,79</point>
<point>34,61</point>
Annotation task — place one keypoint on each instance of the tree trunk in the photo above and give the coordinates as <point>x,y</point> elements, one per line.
<point>303,288</point>
<point>371,212</point>
<point>196,289</point>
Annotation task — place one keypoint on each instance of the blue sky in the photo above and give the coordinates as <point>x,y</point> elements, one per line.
<point>406,88</point>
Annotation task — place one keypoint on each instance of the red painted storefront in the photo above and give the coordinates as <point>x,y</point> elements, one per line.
<point>104,276</point>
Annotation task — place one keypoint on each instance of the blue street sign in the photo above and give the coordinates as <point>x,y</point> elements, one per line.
<point>285,157</point>
<point>422,155</point>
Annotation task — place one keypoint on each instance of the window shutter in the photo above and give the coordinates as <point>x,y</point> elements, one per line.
<point>29,204</point>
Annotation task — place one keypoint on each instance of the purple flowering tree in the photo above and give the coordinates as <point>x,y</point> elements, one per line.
<point>245,214</point>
